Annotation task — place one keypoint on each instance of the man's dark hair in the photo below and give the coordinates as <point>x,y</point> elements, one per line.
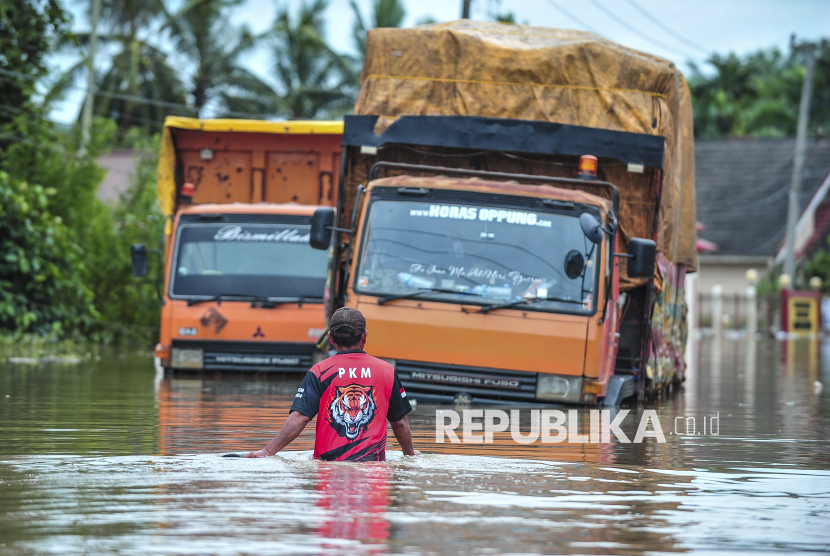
<point>345,337</point>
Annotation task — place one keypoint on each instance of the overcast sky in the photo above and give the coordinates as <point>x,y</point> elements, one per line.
<point>681,31</point>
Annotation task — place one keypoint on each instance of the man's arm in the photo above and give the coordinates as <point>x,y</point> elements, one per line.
<point>404,437</point>
<point>293,426</point>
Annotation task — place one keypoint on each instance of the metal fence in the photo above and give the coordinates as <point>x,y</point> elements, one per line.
<point>735,311</point>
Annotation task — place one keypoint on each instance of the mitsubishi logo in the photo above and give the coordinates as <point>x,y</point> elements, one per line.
<point>259,333</point>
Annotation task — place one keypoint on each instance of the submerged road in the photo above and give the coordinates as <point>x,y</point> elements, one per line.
<point>100,458</point>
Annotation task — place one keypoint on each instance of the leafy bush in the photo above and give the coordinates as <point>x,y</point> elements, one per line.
<point>129,305</point>
<point>96,236</point>
<point>819,266</point>
<point>42,289</point>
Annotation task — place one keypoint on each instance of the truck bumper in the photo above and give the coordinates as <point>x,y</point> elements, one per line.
<point>241,356</point>
<point>441,383</point>
<point>480,383</point>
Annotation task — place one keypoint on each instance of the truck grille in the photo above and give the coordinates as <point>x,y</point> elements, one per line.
<point>496,384</point>
<point>253,356</point>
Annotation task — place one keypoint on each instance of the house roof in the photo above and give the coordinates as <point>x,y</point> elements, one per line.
<point>742,190</point>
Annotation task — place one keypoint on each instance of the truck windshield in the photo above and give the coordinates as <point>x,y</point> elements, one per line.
<point>490,255</point>
<point>256,260</point>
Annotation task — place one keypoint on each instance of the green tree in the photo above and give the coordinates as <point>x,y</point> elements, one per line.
<point>138,86</point>
<point>27,28</point>
<point>64,255</point>
<point>757,95</point>
<point>385,13</point>
<point>202,35</point>
<point>313,81</point>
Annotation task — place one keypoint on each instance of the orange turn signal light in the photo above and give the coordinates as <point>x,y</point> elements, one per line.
<point>588,167</point>
<point>592,387</point>
<point>163,353</point>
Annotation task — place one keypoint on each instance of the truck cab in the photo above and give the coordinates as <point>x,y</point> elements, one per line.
<point>240,287</point>
<point>243,290</point>
<point>489,289</point>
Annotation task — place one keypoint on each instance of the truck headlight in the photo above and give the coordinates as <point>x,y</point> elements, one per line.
<point>558,388</point>
<point>187,358</point>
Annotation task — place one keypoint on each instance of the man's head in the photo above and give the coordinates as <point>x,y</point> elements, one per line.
<point>347,329</point>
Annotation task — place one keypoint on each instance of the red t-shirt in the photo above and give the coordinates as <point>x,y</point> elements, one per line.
<point>355,394</point>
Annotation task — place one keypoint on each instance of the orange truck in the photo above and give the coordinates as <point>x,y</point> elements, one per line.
<point>240,287</point>
<point>516,215</point>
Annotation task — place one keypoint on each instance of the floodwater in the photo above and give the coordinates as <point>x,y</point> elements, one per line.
<point>103,457</point>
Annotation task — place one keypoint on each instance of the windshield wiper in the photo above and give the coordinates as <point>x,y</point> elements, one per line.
<point>256,300</point>
<point>487,308</point>
<point>219,297</point>
<point>271,302</point>
<point>386,298</point>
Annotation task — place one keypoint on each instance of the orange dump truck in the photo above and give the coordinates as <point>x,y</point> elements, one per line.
<point>519,213</point>
<point>241,288</point>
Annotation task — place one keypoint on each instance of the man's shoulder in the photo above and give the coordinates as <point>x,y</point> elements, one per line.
<point>378,361</point>
<point>320,369</point>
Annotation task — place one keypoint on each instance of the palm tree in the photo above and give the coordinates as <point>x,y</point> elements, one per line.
<point>135,76</point>
<point>313,81</point>
<point>139,86</point>
<point>202,35</point>
<point>385,13</point>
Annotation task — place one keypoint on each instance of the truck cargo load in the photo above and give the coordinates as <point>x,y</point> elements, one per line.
<point>249,161</point>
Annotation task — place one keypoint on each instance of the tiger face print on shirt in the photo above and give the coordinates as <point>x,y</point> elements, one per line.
<point>352,409</point>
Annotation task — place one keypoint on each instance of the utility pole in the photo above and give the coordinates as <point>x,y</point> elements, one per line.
<point>86,115</point>
<point>800,151</point>
<point>465,9</point>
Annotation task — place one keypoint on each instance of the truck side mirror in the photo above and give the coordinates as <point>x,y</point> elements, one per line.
<point>138,253</point>
<point>321,226</point>
<point>591,227</point>
<point>641,256</point>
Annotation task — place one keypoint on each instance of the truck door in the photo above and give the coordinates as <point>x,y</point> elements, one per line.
<point>293,177</point>
<point>219,176</point>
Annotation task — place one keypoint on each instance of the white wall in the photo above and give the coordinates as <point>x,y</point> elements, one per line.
<point>120,167</point>
<point>731,277</point>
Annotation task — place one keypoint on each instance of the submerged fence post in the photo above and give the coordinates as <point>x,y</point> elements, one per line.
<point>717,309</point>
<point>736,315</point>
<point>751,311</point>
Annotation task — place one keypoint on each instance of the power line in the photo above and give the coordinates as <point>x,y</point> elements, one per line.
<point>49,146</point>
<point>571,16</point>
<point>634,30</point>
<point>18,74</point>
<point>36,144</point>
<point>134,98</point>
<point>666,29</point>
<point>11,110</point>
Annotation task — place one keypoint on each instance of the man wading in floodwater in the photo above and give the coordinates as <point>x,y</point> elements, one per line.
<point>355,395</point>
